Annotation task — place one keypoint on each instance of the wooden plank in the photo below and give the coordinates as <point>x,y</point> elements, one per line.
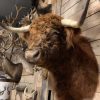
<point>91,21</point>
<point>37,83</point>
<point>54,7</point>
<point>92,33</point>
<point>27,79</point>
<point>64,2</point>
<point>73,7</point>
<point>98,88</point>
<point>24,73</point>
<point>95,7</point>
<point>38,79</point>
<point>13,95</point>
<point>44,90</point>
<point>70,4</point>
<point>49,1</point>
<point>59,4</point>
<point>97,96</point>
<point>52,95</point>
<point>98,60</point>
<point>54,1</point>
<point>71,13</point>
<point>96,47</point>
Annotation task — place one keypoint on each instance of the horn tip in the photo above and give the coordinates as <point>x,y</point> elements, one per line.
<point>70,23</point>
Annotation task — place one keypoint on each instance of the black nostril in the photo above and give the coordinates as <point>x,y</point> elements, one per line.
<point>36,53</point>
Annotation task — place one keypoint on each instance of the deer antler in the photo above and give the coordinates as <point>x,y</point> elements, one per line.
<point>18,9</point>
<point>10,19</point>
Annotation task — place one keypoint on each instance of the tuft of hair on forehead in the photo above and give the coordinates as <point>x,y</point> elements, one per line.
<point>47,21</point>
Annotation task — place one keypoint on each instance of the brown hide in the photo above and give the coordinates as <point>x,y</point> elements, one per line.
<point>67,55</point>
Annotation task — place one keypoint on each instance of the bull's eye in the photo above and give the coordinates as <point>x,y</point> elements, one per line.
<point>55,36</point>
<point>53,31</point>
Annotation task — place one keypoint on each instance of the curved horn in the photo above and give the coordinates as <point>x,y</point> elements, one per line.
<point>14,29</point>
<point>69,23</point>
<point>76,24</point>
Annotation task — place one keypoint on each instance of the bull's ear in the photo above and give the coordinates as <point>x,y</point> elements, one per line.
<point>71,34</point>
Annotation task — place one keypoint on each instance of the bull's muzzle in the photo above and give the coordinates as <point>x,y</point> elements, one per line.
<point>32,55</point>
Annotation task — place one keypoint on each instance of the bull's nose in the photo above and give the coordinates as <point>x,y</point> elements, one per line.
<point>32,55</point>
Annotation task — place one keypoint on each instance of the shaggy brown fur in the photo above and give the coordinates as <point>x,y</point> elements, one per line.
<point>67,55</point>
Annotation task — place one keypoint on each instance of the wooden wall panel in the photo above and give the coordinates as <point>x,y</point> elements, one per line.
<point>98,60</point>
<point>54,6</point>
<point>96,47</point>
<point>97,96</point>
<point>69,5</point>
<point>91,21</point>
<point>98,88</point>
<point>92,33</point>
<point>75,11</point>
<point>59,4</point>
<point>64,2</point>
<point>26,79</point>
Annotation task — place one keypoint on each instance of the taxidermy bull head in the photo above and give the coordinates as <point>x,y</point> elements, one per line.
<point>55,43</point>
